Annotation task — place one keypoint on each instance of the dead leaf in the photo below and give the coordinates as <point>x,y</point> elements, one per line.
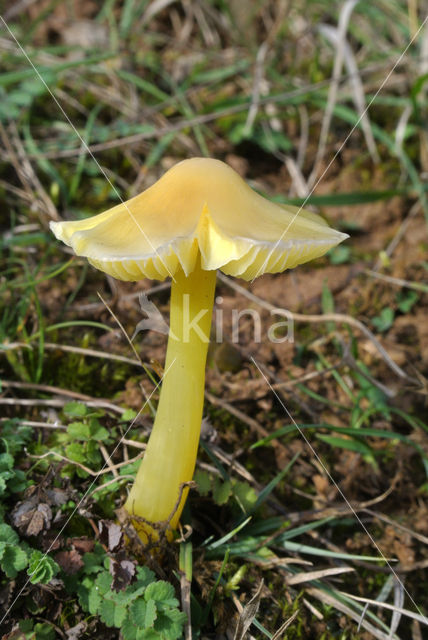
<point>57,497</point>
<point>110,534</point>
<point>30,517</point>
<point>248,614</point>
<point>122,570</point>
<point>70,561</point>
<point>83,545</point>
<point>77,631</point>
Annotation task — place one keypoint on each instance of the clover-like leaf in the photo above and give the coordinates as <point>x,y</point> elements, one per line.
<point>41,568</point>
<point>143,613</point>
<point>75,409</point>
<point>245,494</point>
<point>203,482</point>
<point>79,431</point>
<point>111,613</point>
<point>159,591</point>
<point>221,491</point>
<point>98,432</point>
<point>76,451</point>
<point>7,534</point>
<point>13,560</point>
<point>170,624</point>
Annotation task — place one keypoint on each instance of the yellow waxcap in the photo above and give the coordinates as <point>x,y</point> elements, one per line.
<point>199,205</point>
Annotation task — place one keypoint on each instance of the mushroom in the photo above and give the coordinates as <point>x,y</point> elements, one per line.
<point>200,216</point>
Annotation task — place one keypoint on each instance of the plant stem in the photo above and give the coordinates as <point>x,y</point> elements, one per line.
<point>171,452</point>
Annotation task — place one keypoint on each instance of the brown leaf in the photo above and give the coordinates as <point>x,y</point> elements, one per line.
<point>70,561</point>
<point>35,522</point>
<point>57,497</point>
<point>248,614</point>
<point>83,545</point>
<point>22,509</point>
<point>110,534</point>
<point>122,570</point>
<point>31,518</point>
<point>77,631</point>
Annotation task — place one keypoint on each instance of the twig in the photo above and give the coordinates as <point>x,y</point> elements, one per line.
<point>234,465</point>
<point>16,191</point>
<point>280,633</point>
<point>108,461</point>
<point>32,402</point>
<point>134,443</point>
<point>37,425</point>
<point>327,317</point>
<point>91,472</point>
<point>107,484</point>
<point>95,306</point>
<point>253,424</point>
<point>52,346</point>
<point>398,282</point>
<point>307,376</point>
<point>397,525</point>
<point>46,388</point>
<point>57,402</point>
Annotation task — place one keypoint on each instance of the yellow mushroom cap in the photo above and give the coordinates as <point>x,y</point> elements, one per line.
<point>199,205</point>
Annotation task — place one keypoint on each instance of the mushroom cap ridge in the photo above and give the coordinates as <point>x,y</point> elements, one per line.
<point>199,204</point>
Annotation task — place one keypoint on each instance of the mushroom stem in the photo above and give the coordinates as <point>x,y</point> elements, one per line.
<point>170,457</point>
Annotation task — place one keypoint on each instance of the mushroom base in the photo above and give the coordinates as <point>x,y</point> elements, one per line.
<point>159,492</point>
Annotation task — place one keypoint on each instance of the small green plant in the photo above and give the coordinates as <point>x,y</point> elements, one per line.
<point>406,300</point>
<point>31,631</point>
<point>14,437</point>
<point>16,555</point>
<point>147,608</point>
<point>384,320</point>
<point>224,489</point>
<point>13,558</point>
<point>83,436</point>
<point>41,568</point>
<point>339,255</point>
